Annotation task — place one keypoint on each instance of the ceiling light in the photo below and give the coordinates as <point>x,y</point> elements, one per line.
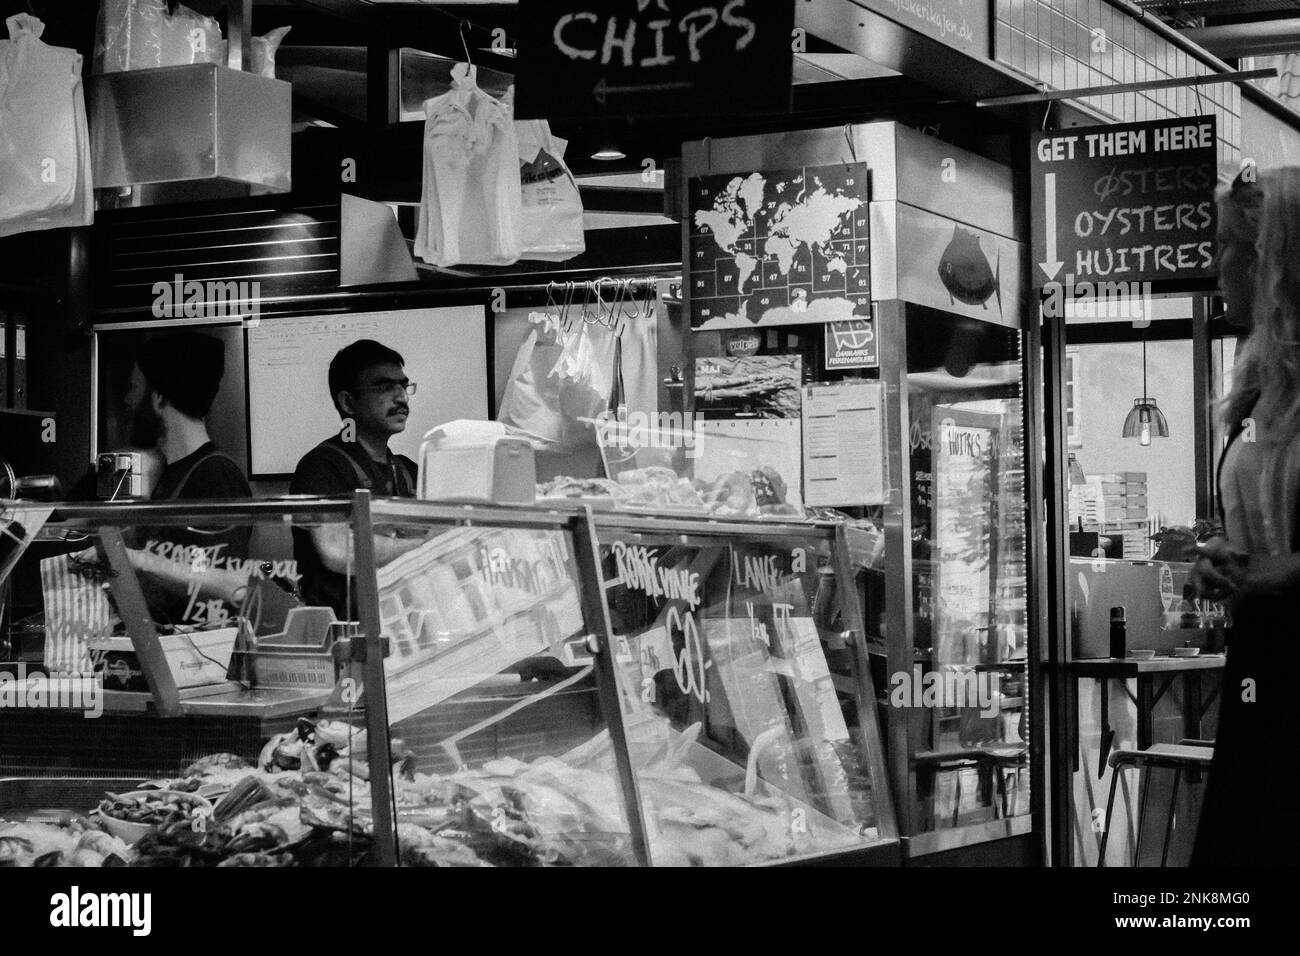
<point>1144,419</point>
<point>609,153</point>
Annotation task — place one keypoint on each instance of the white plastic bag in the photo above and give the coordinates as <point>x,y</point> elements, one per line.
<point>264,49</point>
<point>553,214</point>
<point>531,403</point>
<point>141,35</point>
<point>76,610</point>
<point>262,52</point>
<point>571,370</point>
<point>44,142</point>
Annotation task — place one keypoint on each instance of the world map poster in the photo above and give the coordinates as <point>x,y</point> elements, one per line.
<point>788,247</point>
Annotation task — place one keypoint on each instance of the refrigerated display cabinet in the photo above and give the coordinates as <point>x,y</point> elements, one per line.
<point>551,687</point>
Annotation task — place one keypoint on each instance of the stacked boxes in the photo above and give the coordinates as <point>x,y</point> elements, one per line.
<point>1124,499</point>
<point>1124,496</point>
<point>1115,505</point>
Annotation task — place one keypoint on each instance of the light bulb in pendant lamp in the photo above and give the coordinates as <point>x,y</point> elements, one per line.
<point>1145,421</point>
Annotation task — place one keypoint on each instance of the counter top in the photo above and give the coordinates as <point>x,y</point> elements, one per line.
<point>1131,667</point>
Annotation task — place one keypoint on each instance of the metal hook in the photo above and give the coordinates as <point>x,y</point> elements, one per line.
<point>567,316</point>
<point>618,303</point>
<point>602,315</point>
<point>627,299</point>
<point>588,289</point>
<point>463,42</point>
<point>552,307</point>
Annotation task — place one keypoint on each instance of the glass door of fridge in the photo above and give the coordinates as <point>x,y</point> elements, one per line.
<point>958,684</point>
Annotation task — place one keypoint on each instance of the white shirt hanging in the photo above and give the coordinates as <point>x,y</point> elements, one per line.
<point>471,209</point>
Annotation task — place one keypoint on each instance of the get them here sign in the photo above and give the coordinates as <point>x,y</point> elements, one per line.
<point>1133,202</point>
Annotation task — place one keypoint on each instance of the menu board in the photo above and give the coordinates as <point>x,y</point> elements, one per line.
<point>780,247</point>
<point>590,58</point>
<point>1132,202</point>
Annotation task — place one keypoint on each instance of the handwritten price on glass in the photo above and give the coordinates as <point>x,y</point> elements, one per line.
<point>690,668</point>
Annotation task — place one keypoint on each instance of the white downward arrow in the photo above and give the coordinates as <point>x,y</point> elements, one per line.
<point>1053,265</point>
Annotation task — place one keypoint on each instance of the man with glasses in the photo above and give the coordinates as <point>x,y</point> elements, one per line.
<point>372,394</point>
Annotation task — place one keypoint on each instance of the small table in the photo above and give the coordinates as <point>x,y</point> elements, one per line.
<point>1104,669</point>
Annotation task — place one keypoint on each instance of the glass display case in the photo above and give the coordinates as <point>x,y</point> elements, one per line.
<point>603,690</point>
<point>549,687</point>
<point>166,701</point>
<point>954,649</point>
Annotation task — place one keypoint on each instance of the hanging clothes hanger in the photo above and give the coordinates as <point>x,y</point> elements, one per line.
<point>469,60</point>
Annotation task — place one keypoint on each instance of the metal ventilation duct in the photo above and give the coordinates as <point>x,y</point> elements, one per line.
<point>188,133</point>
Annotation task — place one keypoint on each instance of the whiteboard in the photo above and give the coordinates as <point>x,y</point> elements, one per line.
<point>289,407</point>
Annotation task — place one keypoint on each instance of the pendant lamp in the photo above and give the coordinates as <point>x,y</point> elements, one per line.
<point>1145,420</point>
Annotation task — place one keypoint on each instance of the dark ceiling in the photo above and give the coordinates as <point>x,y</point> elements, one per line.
<point>1195,13</point>
<point>325,55</point>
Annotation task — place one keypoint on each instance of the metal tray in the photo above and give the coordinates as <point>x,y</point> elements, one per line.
<point>56,799</point>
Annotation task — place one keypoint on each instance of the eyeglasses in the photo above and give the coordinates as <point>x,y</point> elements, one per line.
<point>388,387</point>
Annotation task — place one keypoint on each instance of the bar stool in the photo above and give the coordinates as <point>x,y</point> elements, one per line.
<point>929,764</point>
<point>1002,760</point>
<point>1176,757</point>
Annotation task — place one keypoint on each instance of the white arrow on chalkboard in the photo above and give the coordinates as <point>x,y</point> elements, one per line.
<point>603,89</point>
<point>1053,265</point>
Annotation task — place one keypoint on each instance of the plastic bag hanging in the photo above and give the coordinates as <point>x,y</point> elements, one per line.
<point>143,34</point>
<point>44,140</point>
<point>553,227</point>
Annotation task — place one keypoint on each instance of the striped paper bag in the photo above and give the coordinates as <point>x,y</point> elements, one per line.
<point>76,610</point>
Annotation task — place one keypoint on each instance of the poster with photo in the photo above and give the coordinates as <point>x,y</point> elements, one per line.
<point>756,386</point>
<point>752,411</point>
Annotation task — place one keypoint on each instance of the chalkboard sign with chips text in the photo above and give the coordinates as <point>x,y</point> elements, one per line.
<point>581,59</point>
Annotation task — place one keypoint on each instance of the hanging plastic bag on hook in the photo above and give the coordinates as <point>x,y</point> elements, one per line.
<point>553,229</point>
<point>44,141</point>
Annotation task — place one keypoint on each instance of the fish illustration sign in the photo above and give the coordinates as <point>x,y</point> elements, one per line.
<point>966,273</point>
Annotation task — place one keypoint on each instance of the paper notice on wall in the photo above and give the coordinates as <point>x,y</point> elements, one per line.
<point>843,448</point>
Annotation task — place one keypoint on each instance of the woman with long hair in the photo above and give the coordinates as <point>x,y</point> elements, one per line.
<point>1250,813</point>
